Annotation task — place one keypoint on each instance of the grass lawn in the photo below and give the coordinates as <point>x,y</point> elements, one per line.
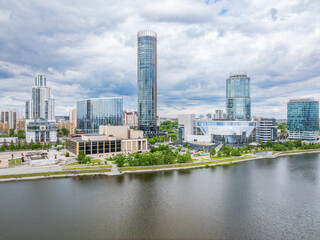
<point>54,173</point>
<point>14,162</point>
<point>86,166</point>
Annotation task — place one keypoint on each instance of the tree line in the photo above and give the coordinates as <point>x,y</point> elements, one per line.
<point>160,155</point>
<point>26,146</point>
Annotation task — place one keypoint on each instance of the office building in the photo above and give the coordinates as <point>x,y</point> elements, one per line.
<point>41,130</point>
<point>212,131</point>
<point>266,130</point>
<point>238,102</point>
<point>40,105</point>
<point>303,119</point>
<point>110,141</point>
<point>94,112</point>
<point>147,82</point>
<point>186,125</point>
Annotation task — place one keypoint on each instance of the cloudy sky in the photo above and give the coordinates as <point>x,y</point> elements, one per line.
<point>88,49</point>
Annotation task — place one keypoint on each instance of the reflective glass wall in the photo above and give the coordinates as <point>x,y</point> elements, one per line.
<point>303,119</point>
<point>238,102</point>
<point>147,81</point>
<point>91,113</point>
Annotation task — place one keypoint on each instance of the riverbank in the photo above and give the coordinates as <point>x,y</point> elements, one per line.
<point>139,169</point>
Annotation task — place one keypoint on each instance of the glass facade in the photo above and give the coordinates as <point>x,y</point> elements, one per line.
<point>147,81</point>
<point>303,119</point>
<point>238,102</point>
<point>93,147</point>
<point>91,113</point>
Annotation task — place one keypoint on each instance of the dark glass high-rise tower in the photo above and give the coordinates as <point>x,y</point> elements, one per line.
<point>147,82</point>
<point>238,97</point>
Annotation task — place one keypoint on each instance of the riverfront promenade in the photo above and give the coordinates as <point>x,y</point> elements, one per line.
<point>62,170</point>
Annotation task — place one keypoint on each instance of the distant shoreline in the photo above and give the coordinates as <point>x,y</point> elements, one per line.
<point>154,168</point>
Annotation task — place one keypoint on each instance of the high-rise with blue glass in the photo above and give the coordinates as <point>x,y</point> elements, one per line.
<point>94,112</point>
<point>238,102</point>
<point>303,119</point>
<point>147,82</point>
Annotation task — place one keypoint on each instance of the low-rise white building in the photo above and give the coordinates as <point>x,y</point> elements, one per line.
<point>41,130</point>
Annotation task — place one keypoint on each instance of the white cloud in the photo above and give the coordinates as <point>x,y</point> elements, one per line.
<point>88,49</point>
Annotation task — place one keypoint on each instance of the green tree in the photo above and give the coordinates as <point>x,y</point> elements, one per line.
<point>11,147</point>
<point>120,160</point>
<point>235,152</point>
<point>11,132</point>
<point>81,158</point>
<point>64,131</point>
<point>269,144</point>
<point>226,150</point>
<point>212,151</point>
<point>21,134</point>
<point>279,147</point>
<point>151,141</point>
<point>184,144</point>
<point>297,143</point>
<point>289,144</point>
<point>2,148</point>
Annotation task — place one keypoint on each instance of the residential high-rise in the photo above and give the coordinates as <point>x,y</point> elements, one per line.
<point>73,116</point>
<point>10,117</point>
<point>219,115</point>
<point>303,119</point>
<point>238,102</point>
<point>21,124</point>
<point>94,112</point>
<point>40,113</point>
<point>130,118</point>
<point>147,82</point>
<point>40,105</point>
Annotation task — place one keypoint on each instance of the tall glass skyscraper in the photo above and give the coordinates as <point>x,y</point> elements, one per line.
<point>303,119</point>
<point>147,82</point>
<point>238,102</point>
<point>91,113</point>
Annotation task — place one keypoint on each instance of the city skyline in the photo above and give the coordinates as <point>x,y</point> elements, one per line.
<point>199,44</point>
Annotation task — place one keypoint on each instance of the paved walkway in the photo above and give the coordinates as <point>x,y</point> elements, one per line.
<point>27,170</point>
<point>114,169</point>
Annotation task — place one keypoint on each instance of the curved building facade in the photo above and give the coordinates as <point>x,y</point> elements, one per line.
<point>147,81</point>
<point>92,113</point>
<point>238,102</point>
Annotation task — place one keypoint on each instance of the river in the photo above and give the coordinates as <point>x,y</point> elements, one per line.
<point>262,199</point>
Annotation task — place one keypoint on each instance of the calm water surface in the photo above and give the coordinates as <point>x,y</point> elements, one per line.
<point>264,199</point>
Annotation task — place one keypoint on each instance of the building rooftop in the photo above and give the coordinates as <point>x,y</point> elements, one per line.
<point>302,100</point>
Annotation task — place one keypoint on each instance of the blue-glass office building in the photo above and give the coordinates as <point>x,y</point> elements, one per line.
<point>147,82</point>
<point>92,113</point>
<point>238,101</point>
<point>303,119</point>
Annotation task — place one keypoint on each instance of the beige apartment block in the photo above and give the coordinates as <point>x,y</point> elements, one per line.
<point>21,124</point>
<point>4,128</point>
<point>67,125</point>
